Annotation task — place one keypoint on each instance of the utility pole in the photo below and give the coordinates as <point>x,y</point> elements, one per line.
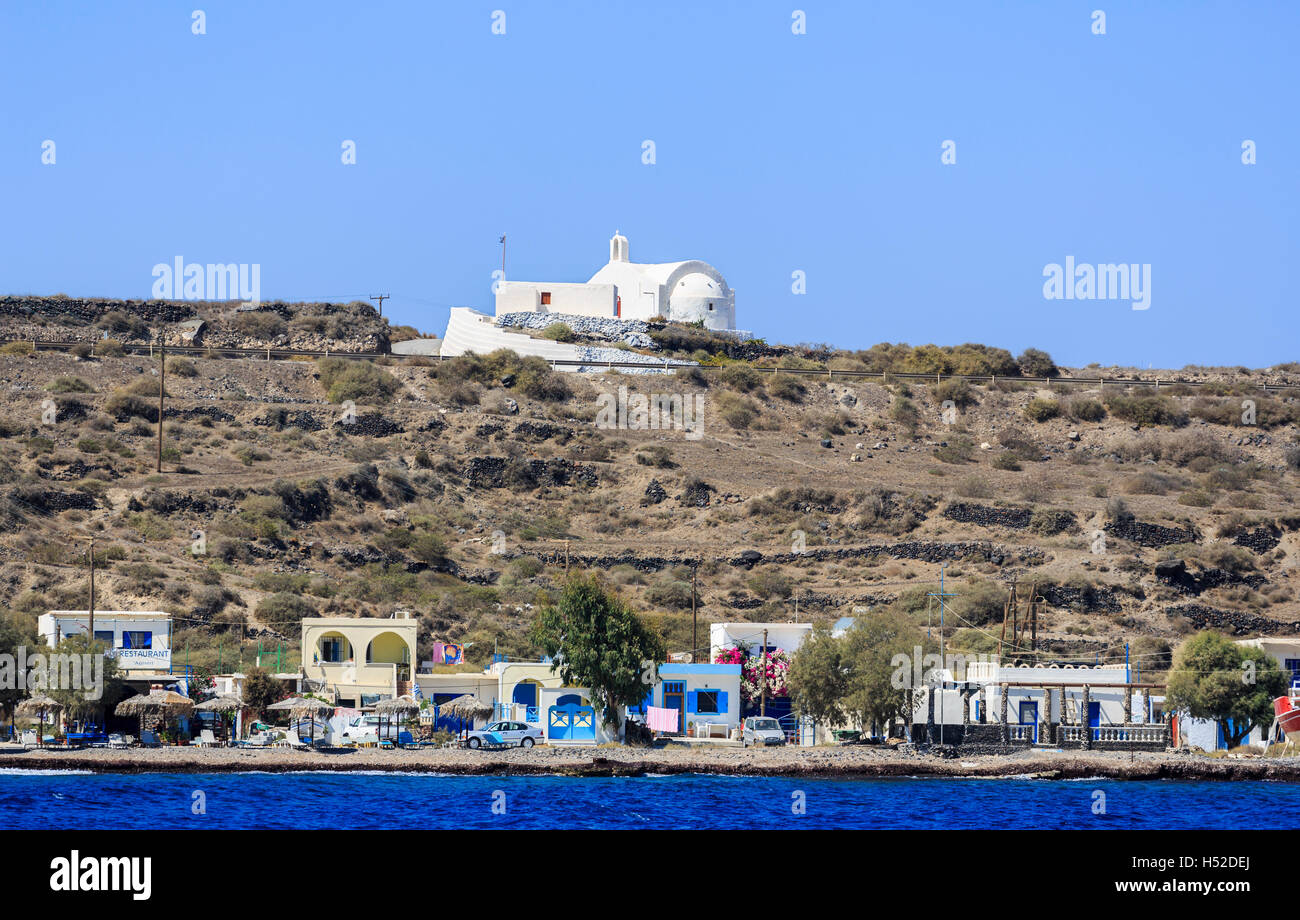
<point>762,699</point>
<point>695,641</point>
<point>90,557</point>
<point>162,391</point>
<point>503,257</point>
<point>941,594</point>
<point>381,298</point>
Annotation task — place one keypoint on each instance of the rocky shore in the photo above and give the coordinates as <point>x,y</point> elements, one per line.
<point>858,762</point>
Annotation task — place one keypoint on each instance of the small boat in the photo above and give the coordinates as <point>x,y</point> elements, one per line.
<point>1287,710</point>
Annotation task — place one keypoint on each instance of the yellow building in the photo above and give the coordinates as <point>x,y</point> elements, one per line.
<point>359,659</point>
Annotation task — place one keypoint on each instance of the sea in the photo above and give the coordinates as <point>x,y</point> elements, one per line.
<point>326,800</point>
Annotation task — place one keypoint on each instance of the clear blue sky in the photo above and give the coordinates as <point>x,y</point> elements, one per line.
<point>775,152</point>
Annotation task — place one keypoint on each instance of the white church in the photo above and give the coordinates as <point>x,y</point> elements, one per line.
<point>684,292</point>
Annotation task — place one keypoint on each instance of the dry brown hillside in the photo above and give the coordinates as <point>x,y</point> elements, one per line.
<point>460,489</point>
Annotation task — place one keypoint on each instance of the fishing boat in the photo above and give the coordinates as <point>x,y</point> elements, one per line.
<point>1287,711</point>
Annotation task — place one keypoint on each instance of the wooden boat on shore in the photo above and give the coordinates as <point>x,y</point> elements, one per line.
<point>1287,711</point>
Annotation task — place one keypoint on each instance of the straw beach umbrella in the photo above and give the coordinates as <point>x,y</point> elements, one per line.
<point>298,706</point>
<point>397,707</point>
<point>466,706</point>
<point>165,703</point>
<point>37,706</point>
<point>222,703</point>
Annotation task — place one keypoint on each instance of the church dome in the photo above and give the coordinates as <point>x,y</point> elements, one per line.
<point>697,296</point>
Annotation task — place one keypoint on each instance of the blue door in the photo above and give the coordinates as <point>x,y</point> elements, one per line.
<point>1094,719</point>
<point>1029,716</point>
<point>571,723</point>
<point>675,698</point>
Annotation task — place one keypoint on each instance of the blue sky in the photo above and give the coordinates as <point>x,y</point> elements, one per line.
<point>775,153</point>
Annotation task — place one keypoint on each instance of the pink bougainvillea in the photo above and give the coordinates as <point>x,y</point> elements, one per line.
<point>751,671</point>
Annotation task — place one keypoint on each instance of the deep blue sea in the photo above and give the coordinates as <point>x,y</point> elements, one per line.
<point>384,800</point>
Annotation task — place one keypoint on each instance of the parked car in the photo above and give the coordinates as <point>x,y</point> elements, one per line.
<point>512,733</point>
<point>763,731</point>
<point>366,729</point>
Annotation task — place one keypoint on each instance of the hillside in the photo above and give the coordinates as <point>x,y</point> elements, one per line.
<point>461,488</point>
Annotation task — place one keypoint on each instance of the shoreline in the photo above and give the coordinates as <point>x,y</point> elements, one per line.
<point>824,763</point>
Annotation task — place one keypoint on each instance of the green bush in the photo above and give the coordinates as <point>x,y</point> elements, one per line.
<point>956,390</point>
<point>787,387</point>
<point>258,324</point>
<point>559,332</point>
<point>182,367</point>
<point>737,411</point>
<point>1146,410</point>
<point>359,381</point>
<point>1040,410</point>
<point>69,385</point>
<point>740,377</point>
<point>1086,410</point>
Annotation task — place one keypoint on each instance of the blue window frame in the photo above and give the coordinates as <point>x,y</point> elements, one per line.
<point>137,638</point>
<point>707,702</point>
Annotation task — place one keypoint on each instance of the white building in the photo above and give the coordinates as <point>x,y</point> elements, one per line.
<point>786,637</point>
<point>684,292</point>
<point>139,640</point>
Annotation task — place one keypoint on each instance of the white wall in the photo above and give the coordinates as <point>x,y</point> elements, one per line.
<point>785,636</point>
<point>469,330</point>
<point>577,299</point>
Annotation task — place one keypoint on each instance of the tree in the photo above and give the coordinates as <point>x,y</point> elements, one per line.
<point>1034,362</point>
<point>1233,685</point>
<point>78,704</point>
<point>819,677</point>
<point>261,690</point>
<point>870,648</point>
<point>597,642</point>
<point>14,633</point>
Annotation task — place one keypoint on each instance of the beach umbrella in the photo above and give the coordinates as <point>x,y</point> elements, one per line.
<point>166,703</point>
<point>466,706</point>
<point>221,703</point>
<point>399,706</point>
<point>297,706</point>
<point>313,708</point>
<point>37,705</point>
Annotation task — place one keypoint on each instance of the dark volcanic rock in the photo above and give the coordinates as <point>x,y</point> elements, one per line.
<point>1261,540</point>
<point>488,429</point>
<point>696,495</point>
<point>967,513</point>
<point>280,419</point>
<point>208,412</point>
<point>543,431</point>
<point>371,425</point>
<point>1236,622</point>
<point>52,501</point>
<point>1173,572</point>
<point>499,472</point>
<point>654,493</point>
<point>1149,535</point>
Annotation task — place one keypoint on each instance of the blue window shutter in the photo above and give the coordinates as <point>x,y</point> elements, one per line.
<point>690,701</point>
<point>722,701</point>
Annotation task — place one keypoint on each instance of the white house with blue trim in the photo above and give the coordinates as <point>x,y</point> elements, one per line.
<point>706,696</point>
